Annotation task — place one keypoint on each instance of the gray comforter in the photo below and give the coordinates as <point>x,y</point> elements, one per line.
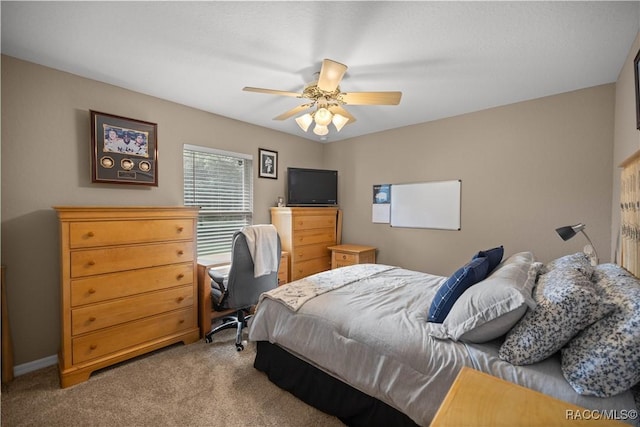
<point>367,326</point>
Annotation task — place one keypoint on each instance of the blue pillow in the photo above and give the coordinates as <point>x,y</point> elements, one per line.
<point>473,272</point>
<point>494,255</point>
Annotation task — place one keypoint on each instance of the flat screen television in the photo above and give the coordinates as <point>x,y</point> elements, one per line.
<point>312,187</point>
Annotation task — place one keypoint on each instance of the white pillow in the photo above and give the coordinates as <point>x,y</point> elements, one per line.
<point>488,309</point>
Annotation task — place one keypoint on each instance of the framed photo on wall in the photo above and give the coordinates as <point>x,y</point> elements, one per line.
<point>123,150</point>
<point>636,71</point>
<point>268,164</point>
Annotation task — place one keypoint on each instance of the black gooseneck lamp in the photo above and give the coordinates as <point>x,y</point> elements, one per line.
<point>568,231</point>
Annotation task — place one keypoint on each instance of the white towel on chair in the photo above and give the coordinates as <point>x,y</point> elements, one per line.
<point>262,241</point>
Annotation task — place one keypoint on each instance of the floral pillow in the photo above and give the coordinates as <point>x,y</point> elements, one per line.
<point>578,261</point>
<point>566,302</point>
<point>604,359</point>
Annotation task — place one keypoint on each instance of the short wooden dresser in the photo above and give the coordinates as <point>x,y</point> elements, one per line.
<point>480,399</point>
<point>306,233</point>
<point>344,255</point>
<point>129,284</point>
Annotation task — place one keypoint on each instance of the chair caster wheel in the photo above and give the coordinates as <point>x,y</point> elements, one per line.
<point>239,347</point>
<point>208,339</point>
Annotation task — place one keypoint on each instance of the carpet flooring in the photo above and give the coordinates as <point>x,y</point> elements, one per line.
<point>194,385</point>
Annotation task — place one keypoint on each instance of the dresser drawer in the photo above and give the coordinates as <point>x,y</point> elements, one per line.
<point>305,253</point>
<point>106,260</point>
<point>107,341</point>
<point>308,222</point>
<point>102,315</point>
<point>104,287</point>
<point>108,233</point>
<point>311,237</point>
<point>307,268</point>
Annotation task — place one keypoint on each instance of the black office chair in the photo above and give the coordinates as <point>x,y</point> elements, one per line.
<point>240,289</point>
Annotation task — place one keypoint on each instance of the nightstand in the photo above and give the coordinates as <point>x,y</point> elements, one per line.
<point>479,399</point>
<point>343,255</point>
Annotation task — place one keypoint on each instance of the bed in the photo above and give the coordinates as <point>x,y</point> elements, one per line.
<point>357,342</point>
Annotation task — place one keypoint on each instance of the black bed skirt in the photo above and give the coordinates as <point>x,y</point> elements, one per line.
<point>322,391</point>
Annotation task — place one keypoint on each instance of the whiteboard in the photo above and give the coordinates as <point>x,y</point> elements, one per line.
<point>426,205</point>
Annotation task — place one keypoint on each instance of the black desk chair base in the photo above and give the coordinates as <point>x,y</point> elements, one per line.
<point>239,322</point>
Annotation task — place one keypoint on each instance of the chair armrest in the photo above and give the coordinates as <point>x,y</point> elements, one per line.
<point>217,277</point>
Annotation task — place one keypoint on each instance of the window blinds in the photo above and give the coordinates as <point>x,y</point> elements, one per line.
<point>221,184</point>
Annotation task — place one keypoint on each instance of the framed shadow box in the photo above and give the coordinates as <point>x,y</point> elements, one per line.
<point>123,150</point>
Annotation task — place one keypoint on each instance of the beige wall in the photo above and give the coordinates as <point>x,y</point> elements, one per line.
<point>45,154</point>
<point>526,169</point>
<point>626,134</point>
<point>541,163</point>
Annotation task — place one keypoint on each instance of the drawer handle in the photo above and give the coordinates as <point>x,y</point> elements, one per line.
<point>181,321</point>
<point>90,234</point>
<point>180,276</point>
<point>92,319</point>
<point>91,262</point>
<point>93,346</point>
<point>92,291</point>
<point>180,252</point>
<point>180,229</point>
<point>344,257</point>
<point>180,299</point>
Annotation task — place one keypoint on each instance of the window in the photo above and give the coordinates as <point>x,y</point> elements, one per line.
<point>221,184</point>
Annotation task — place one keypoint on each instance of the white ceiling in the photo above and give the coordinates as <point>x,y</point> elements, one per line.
<point>447,58</point>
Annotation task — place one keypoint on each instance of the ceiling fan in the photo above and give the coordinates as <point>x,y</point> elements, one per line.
<point>327,100</point>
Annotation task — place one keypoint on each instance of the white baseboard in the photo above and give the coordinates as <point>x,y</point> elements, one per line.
<point>25,368</point>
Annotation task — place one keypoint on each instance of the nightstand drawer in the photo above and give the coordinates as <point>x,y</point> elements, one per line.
<point>97,316</point>
<point>345,259</point>
<point>107,233</point>
<point>107,341</point>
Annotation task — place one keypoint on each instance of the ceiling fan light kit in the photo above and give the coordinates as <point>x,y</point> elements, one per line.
<point>304,121</point>
<point>328,100</point>
<point>339,121</point>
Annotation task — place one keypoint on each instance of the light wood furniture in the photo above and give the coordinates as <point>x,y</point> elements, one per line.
<point>306,233</point>
<point>479,399</point>
<point>629,245</point>
<point>206,313</point>
<point>7,344</point>
<point>129,284</point>
<point>283,269</point>
<point>343,255</point>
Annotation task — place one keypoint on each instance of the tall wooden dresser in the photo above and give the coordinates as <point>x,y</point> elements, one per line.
<point>129,284</point>
<point>306,233</point>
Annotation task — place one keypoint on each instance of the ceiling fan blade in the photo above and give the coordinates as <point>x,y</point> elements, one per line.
<point>293,112</point>
<point>336,109</point>
<point>331,74</point>
<point>372,98</point>
<point>272,91</point>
